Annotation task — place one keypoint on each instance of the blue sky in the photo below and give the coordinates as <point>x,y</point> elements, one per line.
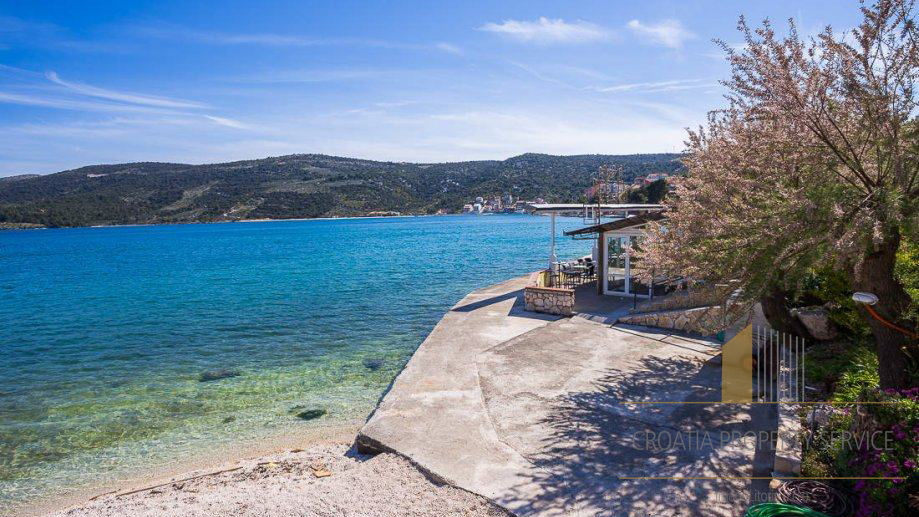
<point>200,82</point>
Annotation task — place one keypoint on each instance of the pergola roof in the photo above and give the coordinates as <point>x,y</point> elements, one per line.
<point>563,207</point>
<point>619,224</point>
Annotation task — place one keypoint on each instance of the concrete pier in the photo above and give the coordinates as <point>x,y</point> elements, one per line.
<point>531,411</point>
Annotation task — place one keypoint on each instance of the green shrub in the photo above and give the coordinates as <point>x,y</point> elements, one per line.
<point>896,414</point>
<point>842,369</point>
<point>906,270</point>
<point>849,373</point>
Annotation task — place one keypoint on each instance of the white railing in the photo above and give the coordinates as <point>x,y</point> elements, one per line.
<point>779,372</point>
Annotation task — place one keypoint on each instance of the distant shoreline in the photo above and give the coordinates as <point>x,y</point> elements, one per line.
<point>31,226</point>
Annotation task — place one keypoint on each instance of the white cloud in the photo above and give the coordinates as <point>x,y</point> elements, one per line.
<point>449,48</point>
<point>539,75</point>
<point>173,32</point>
<point>547,31</point>
<point>226,122</point>
<point>67,104</point>
<point>16,32</point>
<point>31,90</point>
<point>653,87</point>
<point>319,75</point>
<point>669,33</point>
<point>131,98</point>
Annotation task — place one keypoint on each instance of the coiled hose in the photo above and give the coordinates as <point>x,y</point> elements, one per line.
<point>781,510</point>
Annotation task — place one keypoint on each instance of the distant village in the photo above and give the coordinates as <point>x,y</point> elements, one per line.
<point>499,204</point>
<point>508,204</point>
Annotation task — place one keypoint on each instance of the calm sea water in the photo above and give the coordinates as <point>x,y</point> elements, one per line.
<point>105,332</point>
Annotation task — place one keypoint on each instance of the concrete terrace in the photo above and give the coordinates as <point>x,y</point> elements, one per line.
<point>527,410</point>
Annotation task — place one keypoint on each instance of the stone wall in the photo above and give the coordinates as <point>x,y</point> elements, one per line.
<point>689,298</point>
<point>706,321</point>
<point>549,300</point>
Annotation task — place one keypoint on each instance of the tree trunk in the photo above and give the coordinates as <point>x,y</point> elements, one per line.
<point>876,276</point>
<point>776,302</point>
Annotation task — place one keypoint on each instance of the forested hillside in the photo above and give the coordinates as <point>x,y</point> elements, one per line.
<point>295,186</point>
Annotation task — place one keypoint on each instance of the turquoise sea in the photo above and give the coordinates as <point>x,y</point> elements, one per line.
<point>105,332</point>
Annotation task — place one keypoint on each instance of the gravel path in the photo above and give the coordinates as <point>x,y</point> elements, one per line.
<point>291,484</point>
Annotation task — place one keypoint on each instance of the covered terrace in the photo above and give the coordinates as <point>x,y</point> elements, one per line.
<point>615,229</point>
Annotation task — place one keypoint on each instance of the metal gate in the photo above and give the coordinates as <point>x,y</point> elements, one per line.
<point>779,370</point>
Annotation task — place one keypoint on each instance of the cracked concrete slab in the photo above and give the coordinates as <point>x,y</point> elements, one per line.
<point>533,412</point>
<point>434,414</point>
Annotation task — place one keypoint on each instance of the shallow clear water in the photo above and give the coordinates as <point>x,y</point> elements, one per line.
<point>106,331</point>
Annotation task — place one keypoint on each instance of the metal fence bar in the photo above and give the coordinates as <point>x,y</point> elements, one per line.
<point>767,365</point>
<point>768,350</point>
<point>803,390</point>
<point>769,381</point>
<point>801,359</point>
<point>761,367</point>
<point>780,372</point>
<point>783,367</point>
<point>798,369</point>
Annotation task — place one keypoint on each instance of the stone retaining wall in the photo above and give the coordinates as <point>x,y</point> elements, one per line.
<point>706,321</point>
<point>549,300</point>
<point>699,296</point>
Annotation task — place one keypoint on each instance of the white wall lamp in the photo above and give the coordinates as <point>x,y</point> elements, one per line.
<point>869,299</point>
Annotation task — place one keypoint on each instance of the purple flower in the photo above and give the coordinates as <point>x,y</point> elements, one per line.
<point>909,464</point>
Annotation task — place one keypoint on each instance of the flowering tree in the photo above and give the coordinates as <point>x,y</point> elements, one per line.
<point>813,162</point>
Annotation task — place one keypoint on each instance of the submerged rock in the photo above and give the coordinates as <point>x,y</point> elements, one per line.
<point>307,414</point>
<point>373,364</point>
<point>214,375</point>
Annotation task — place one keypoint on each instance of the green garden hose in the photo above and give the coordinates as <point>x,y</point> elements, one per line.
<point>781,510</point>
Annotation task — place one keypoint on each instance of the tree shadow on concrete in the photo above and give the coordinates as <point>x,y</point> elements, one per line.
<point>595,441</point>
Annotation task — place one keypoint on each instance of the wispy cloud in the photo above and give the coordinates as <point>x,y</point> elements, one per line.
<point>654,87</point>
<point>548,31</point>
<point>28,88</point>
<point>174,32</point>
<point>539,75</point>
<point>669,33</point>
<point>16,32</point>
<point>321,75</point>
<point>449,48</point>
<point>227,122</point>
<point>67,104</point>
<point>131,98</point>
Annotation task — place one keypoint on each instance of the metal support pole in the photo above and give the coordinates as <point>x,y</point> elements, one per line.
<point>552,258</point>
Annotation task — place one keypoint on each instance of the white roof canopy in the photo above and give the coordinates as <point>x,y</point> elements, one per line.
<point>571,207</point>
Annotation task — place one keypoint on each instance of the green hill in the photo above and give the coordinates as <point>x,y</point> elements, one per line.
<point>295,186</point>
